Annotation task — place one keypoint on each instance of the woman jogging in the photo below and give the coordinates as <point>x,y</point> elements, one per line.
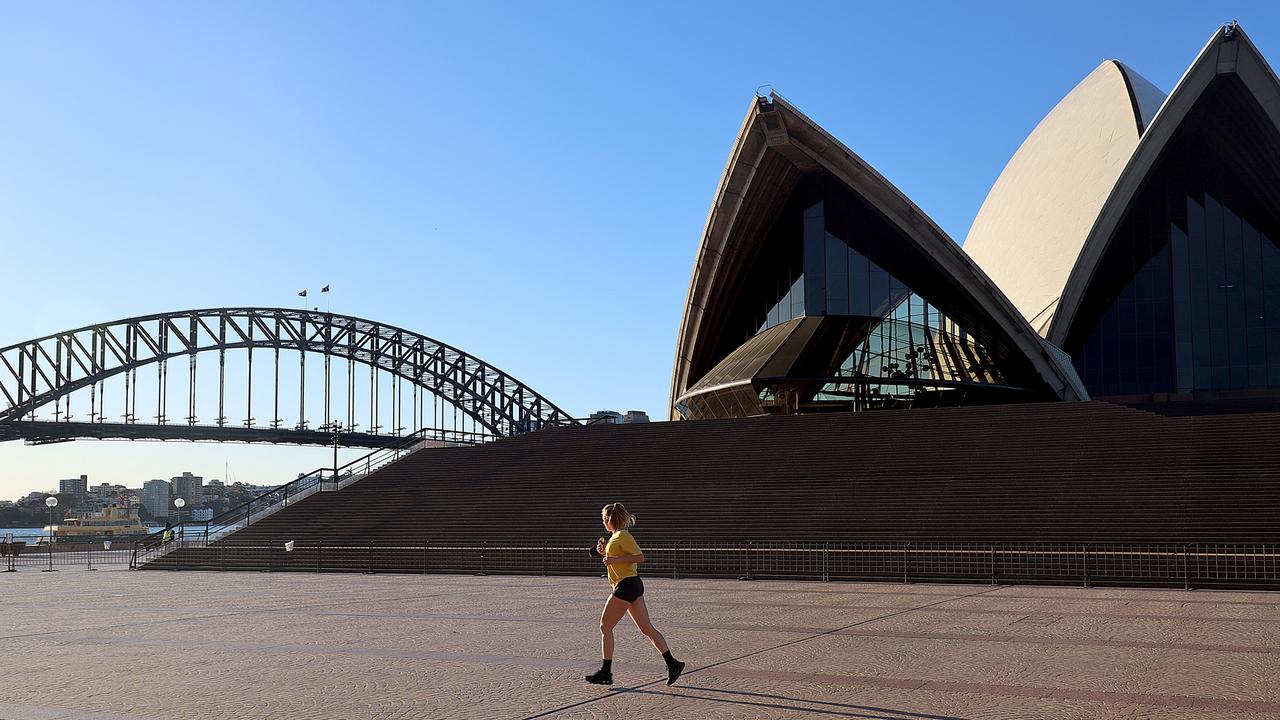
<point>620,555</point>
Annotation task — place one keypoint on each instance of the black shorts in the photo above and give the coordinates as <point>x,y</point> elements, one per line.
<point>629,589</point>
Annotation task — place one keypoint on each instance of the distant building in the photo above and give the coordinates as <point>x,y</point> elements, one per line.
<point>155,497</point>
<point>106,492</point>
<point>253,490</point>
<point>34,498</point>
<point>609,417</point>
<point>613,417</point>
<point>187,487</point>
<point>77,487</point>
<point>202,514</point>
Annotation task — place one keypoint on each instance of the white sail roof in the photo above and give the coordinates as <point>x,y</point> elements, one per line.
<point>1034,222</point>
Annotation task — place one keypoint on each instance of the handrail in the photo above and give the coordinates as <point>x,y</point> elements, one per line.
<point>305,485</point>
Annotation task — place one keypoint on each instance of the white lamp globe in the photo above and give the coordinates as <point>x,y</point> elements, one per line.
<point>51,501</point>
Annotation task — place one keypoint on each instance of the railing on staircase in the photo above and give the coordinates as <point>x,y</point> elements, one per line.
<point>330,479</point>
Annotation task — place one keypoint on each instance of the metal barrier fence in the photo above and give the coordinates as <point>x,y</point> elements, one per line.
<point>82,555</point>
<point>1154,564</point>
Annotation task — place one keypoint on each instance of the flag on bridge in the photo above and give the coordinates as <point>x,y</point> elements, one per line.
<point>324,289</point>
<point>302,294</point>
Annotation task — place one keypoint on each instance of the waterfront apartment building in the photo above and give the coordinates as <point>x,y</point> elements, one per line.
<point>155,497</point>
<point>187,487</point>
<point>76,487</point>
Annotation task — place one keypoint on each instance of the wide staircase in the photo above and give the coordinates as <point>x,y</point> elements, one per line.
<point>1066,492</point>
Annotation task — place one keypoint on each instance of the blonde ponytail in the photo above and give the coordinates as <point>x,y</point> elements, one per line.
<point>617,515</point>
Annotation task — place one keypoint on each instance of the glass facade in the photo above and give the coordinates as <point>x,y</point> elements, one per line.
<point>773,290</point>
<point>914,341</point>
<point>1187,298</point>
<point>819,325</point>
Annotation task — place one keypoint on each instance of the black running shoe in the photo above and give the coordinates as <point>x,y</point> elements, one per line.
<point>600,677</point>
<point>673,672</point>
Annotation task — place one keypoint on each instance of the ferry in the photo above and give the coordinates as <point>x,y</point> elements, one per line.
<point>109,523</point>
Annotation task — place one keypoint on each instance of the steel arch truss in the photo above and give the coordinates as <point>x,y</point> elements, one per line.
<point>39,372</point>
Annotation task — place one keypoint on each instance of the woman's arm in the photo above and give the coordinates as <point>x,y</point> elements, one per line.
<point>637,559</point>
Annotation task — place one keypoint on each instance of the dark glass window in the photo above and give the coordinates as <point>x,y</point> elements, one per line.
<point>883,326</point>
<point>1187,297</point>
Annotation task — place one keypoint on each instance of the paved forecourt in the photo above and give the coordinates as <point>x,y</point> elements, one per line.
<point>113,644</point>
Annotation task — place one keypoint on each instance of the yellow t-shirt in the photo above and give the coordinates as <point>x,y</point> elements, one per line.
<point>621,543</point>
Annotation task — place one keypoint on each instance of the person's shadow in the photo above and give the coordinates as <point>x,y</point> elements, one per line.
<point>779,702</point>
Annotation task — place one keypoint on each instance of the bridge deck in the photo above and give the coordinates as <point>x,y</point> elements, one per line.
<point>39,432</point>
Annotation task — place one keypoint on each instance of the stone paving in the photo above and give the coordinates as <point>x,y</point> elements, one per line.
<point>119,645</point>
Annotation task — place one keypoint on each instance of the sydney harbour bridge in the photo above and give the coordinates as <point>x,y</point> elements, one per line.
<point>242,375</point>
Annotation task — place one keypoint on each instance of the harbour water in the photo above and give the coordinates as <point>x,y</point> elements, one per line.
<point>27,534</point>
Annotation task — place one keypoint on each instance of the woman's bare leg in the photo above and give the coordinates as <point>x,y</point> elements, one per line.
<point>640,616</point>
<point>613,611</point>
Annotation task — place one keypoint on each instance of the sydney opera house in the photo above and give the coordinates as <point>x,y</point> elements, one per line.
<point>1127,252</point>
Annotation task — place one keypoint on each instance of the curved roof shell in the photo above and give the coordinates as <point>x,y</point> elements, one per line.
<point>775,147</point>
<point>1034,222</point>
<point>1228,52</point>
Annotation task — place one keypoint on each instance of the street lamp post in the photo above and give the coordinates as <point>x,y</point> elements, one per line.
<point>334,427</point>
<point>180,503</point>
<point>51,502</point>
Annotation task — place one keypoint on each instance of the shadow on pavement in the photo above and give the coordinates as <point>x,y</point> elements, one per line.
<point>825,707</point>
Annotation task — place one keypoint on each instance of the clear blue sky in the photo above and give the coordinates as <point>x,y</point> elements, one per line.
<point>526,181</point>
